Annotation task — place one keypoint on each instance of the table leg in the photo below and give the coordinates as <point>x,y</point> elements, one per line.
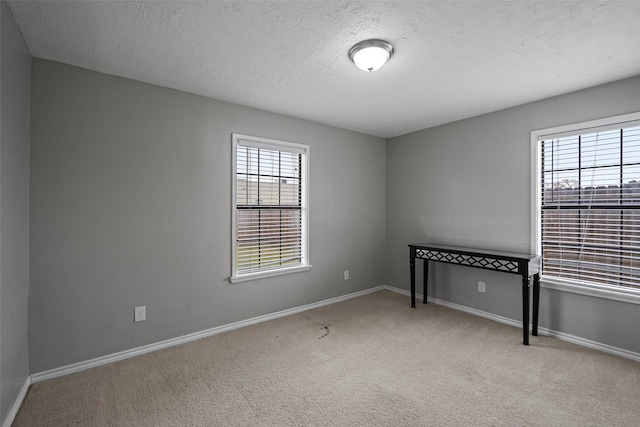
<point>425,278</point>
<point>412,269</point>
<point>536,303</point>
<point>525,310</point>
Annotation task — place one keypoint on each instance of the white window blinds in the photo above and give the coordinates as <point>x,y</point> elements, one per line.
<point>590,206</point>
<point>270,206</point>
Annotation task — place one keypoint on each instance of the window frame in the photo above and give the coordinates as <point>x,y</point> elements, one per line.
<point>613,292</point>
<point>278,145</point>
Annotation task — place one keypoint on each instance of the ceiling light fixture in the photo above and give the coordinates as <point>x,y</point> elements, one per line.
<point>369,55</point>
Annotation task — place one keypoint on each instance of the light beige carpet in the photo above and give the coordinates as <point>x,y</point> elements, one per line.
<point>369,361</point>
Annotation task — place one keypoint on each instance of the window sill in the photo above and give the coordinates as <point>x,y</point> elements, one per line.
<point>627,295</point>
<point>270,273</point>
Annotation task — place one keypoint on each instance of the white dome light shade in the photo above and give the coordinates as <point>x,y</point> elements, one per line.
<point>369,55</point>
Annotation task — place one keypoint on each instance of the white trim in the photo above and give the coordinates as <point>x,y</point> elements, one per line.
<point>115,357</point>
<point>11,416</point>
<point>536,212</point>
<point>544,331</point>
<point>591,344</point>
<point>268,143</point>
<point>268,273</point>
<point>272,144</point>
<point>630,296</point>
<point>459,307</point>
<point>598,291</point>
<point>622,120</point>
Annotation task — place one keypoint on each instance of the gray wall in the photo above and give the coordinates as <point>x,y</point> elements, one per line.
<point>14,211</point>
<point>131,205</point>
<point>469,183</point>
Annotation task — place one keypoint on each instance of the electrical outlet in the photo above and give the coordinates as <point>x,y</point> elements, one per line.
<point>482,287</point>
<point>140,313</point>
<point>346,275</point>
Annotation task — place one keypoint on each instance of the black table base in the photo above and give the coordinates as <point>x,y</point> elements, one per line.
<point>525,265</point>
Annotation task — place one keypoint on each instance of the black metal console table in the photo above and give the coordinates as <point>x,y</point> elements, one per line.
<point>525,265</point>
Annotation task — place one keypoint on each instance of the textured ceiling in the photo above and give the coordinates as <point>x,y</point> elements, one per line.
<point>452,59</point>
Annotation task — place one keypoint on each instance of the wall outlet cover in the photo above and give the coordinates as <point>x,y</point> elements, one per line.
<point>140,313</point>
<point>482,287</point>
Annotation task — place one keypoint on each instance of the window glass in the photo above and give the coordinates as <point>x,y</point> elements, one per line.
<point>589,206</point>
<point>270,206</point>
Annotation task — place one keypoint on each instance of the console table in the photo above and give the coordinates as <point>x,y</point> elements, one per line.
<point>524,265</point>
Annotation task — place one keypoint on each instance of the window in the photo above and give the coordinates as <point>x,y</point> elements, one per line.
<point>270,207</point>
<point>588,204</point>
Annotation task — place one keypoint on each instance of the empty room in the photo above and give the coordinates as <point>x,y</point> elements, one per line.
<point>320,213</point>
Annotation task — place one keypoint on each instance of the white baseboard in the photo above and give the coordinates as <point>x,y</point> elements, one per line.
<point>115,357</point>
<point>11,416</point>
<point>591,344</point>
<point>103,360</point>
<point>543,331</point>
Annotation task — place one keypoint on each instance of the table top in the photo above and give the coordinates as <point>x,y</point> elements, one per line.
<point>474,251</point>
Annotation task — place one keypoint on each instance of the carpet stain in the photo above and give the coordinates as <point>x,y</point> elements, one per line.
<point>325,329</point>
